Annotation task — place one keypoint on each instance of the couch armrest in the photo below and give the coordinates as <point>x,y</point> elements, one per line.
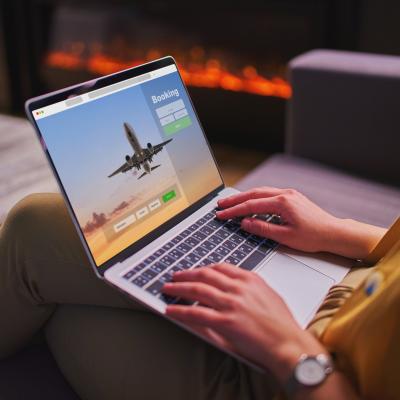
<point>345,112</point>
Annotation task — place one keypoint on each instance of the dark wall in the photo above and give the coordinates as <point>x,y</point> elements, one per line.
<point>4,87</point>
<point>380,27</point>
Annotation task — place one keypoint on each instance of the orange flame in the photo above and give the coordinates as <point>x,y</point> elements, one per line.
<point>209,73</point>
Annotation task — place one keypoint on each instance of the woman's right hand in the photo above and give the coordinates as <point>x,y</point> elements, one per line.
<point>305,226</point>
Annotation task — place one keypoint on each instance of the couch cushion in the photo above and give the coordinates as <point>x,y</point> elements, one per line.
<point>23,166</point>
<point>343,195</point>
<point>344,112</point>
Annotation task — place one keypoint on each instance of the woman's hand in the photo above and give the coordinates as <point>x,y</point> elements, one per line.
<point>305,226</point>
<point>239,312</point>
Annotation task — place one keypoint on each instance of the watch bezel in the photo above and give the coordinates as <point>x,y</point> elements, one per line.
<point>322,365</point>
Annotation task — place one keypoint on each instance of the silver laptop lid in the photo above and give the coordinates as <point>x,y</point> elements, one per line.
<point>130,157</point>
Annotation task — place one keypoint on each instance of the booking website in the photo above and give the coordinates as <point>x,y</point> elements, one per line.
<point>128,160</point>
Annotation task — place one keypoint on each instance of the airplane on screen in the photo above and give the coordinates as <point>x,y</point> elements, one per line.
<point>142,157</point>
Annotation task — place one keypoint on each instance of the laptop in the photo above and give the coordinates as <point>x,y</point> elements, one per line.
<point>142,185</point>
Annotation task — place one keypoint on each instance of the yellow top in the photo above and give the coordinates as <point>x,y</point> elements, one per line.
<point>364,334</point>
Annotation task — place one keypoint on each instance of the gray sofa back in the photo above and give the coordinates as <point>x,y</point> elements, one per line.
<point>345,112</point>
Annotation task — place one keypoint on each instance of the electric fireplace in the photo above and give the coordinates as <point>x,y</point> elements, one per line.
<point>232,56</point>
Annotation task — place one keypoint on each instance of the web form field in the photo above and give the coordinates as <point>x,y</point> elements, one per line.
<point>173,117</point>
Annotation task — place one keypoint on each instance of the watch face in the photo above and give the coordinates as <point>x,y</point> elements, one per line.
<point>310,372</point>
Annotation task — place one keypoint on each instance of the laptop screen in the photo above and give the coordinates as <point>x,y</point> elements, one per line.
<point>130,156</point>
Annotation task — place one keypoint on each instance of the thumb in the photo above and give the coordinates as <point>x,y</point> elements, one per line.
<point>265,229</point>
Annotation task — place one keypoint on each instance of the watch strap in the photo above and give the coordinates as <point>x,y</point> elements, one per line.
<point>291,386</point>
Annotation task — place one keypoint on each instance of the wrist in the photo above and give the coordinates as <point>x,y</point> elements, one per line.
<point>352,239</point>
<point>288,355</point>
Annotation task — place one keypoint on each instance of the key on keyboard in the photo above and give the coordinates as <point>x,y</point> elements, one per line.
<point>252,261</point>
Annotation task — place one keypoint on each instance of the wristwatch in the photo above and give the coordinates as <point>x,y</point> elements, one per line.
<point>309,371</point>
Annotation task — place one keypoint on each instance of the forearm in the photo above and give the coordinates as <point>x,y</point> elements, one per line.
<point>353,239</point>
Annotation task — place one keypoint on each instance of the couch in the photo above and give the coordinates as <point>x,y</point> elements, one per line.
<point>341,150</point>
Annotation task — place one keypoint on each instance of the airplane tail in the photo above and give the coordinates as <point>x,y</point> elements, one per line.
<point>151,169</point>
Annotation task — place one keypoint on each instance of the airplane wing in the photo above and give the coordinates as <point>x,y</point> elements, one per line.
<point>123,168</point>
<point>126,167</point>
<point>158,147</point>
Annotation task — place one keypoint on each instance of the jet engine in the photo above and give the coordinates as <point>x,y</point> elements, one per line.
<point>150,147</point>
<point>129,160</point>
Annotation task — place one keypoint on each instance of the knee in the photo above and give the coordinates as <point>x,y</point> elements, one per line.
<point>34,217</point>
<point>34,210</point>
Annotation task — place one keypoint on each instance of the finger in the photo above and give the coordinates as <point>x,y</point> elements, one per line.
<point>266,229</point>
<point>197,315</point>
<point>230,270</point>
<point>197,291</point>
<point>249,207</point>
<point>256,193</point>
<point>207,275</point>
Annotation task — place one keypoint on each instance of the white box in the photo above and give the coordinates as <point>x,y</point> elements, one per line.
<point>166,120</point>
<point>142,212</point>
<point>181,113</point>
<point>154,204</point>
<point>124,223</point>
<point>170,108</point>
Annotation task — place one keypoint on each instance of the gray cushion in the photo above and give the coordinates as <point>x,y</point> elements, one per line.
<point>344,112</point>
<point>344,195</point>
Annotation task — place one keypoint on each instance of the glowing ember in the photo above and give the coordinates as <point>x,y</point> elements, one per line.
<point>200,73</point>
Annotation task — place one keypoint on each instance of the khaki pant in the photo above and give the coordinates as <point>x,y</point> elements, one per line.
<point>106,346</point>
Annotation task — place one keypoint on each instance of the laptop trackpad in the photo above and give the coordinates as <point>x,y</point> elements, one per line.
<point>302,287</point>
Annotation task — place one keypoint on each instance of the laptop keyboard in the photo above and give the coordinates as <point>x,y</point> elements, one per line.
<point>205,242</point>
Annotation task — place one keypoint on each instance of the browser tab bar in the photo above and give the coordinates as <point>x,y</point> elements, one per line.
<point>98,93</point>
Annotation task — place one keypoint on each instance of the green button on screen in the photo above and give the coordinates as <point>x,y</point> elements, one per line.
<point>169,196</point>
<point>176,126</point>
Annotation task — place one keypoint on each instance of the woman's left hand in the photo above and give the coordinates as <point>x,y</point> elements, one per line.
<point>239,312</point>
